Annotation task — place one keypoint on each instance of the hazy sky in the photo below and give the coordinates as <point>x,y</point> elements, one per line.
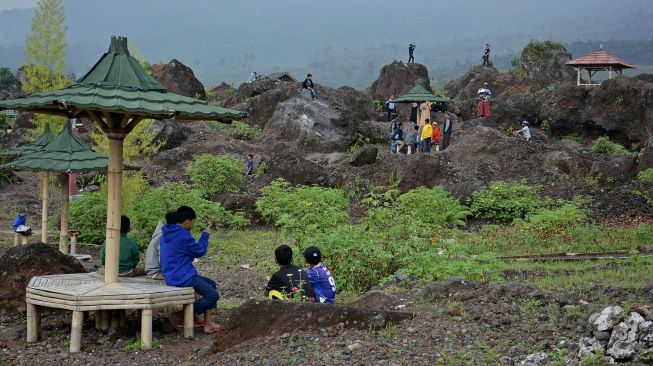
<point>13,4</point>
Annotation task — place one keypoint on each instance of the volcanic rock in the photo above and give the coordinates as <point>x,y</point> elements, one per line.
<point>170,133</point>
<point>397,78</point>
<point>179,79</point>
<point>364,156</point>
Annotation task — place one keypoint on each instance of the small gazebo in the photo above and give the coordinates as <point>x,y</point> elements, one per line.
<point>419,94</point>
<point>596,62</point>
<point>37,145</point>
<point>63,155</point>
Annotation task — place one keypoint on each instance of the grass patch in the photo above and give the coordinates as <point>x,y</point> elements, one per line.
<point>135,345</point>
<point>254,248</point>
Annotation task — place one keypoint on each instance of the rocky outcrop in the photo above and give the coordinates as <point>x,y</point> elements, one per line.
<point>250,90</point>
<point>364,156</point>
<point>621,339</point>
<point>221,92</point>
<point>170,134</point>
<point>310,125</point>
<point>397,78</point>
<point>179,79</point>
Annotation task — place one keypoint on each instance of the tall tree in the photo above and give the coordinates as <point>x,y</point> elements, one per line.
<point>45,51</point>
<point>46,48</point>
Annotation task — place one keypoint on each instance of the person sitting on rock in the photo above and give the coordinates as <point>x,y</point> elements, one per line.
<point>178,251</point>
<point>427,135</point>
<point>397,139</point>
<point>152,255</point>
<point>308,84</point>
<point>129,252</point>
<point>525,132</point>
<point>412,139</point>
<point>483,107</point>
<point>435,141</point>
<point>320,277</point>
<point>253,76</point>
<point>289,280</point>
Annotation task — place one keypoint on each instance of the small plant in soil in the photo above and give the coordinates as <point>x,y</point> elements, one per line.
<point>603,145</point>
<point>135,345</point>
<point>645,176</point>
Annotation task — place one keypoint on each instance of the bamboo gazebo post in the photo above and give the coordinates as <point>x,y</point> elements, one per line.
<point>65,202</point>
<point>45,196</point>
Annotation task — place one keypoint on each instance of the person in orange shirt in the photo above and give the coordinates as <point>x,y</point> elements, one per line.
<point>436,136</point>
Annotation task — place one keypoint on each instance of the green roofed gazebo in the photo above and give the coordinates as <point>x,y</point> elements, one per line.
<point>65,154</point>
<point>419,94</point>
<point>117,93</point>
<point>42,140</point>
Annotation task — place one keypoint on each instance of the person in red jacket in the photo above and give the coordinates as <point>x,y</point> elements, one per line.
<point>436,136</point>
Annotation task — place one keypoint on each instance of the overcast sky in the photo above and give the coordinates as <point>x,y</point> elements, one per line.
<point>13,4</point>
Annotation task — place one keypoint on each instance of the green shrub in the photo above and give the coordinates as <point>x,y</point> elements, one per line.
<point>505,201</point>
<point>546,127</point>
<point>433,207</point>
<point>212,174</point>
<point>153,205</point>
<point>244,131</point>
<point>88,214</point>
<point>566,216</point>
<point>3,121</point>
<point>603,145</point>
<point>646,176</point>
<point>302,210</point>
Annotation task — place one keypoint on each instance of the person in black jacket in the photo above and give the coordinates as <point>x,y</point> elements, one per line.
<point>308,84</point>
<point>290,280</point>
<point>411,49</point>
<point>486,56</point>
<point>447,130</point>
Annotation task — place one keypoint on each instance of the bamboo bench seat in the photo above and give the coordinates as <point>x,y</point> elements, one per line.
<point>81,292</point>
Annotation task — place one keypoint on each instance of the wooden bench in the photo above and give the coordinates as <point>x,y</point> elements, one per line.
<point>81,292</point>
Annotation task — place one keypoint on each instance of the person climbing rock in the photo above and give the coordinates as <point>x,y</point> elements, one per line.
<point>411,50</point>
<point>483,107</point>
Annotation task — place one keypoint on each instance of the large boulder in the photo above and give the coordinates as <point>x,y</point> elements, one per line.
<point>544,63</point>
<point>619,168</point>
<point>19,264</point>
<point>170,133</point>
<point>179,79</point>
<point>294,168</point>
<point>312,125</point>
<point>250,90</point>
<point>397,78</point>
<point>221,92</point>
<point>364,156</point>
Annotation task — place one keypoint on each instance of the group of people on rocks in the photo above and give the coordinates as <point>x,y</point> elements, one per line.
<point>420,137</point>
<point>172,251</point>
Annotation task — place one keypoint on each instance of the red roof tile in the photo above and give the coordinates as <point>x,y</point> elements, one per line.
<point>600,58</point>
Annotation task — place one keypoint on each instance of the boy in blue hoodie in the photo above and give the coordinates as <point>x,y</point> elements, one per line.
<point>178,250</point>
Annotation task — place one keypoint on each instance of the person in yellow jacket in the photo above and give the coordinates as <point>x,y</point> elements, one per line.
<point>427,134</point>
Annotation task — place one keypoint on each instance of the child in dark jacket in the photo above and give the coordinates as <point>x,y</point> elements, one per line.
<point>178,250</point>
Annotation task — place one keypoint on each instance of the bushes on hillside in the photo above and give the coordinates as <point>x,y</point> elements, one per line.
<point>505,201</point>
<point>568,215</point>
<point>603,145</point>
<point>212,174</point>
<point>244,131</point>
<point>303,209</point>
<point>645,176</point>
<point>88,214</point>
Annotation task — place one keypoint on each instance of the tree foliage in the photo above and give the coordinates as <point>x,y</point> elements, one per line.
<point>138,143</point>
<point>46,49</point>
<point>212,174</point>
<point>9,86</point>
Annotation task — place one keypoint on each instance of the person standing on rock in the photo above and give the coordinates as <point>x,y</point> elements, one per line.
<point>483,108</point>
<point>411,51</point>
<point>486,55</point>
<point>308,84</point>
<point>435,141</point>
<point>391,106</point>
<point>447,130</point>
<point>250,165</point>
<point>427,135</point>
<point>425,113</point>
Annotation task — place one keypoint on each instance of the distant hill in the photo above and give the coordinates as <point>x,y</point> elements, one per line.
<point>342,42</point>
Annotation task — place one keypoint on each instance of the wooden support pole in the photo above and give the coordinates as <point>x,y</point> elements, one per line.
<point>115,319</point>
<point>113,211</point>
<point>33,322</point>
<point>45,196</point>
<point>189,321</point>
<point>73,243</point>
<point>580,70</point>
<point>65,203</point>
<point>16,239</point>
<point>98,319</point>
<point>146,329</point>
<point>76,330</point>
<point>24,239</point>
<point>106,320</point>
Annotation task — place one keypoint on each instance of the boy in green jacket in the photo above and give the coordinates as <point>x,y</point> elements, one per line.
<point>129,252</point>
